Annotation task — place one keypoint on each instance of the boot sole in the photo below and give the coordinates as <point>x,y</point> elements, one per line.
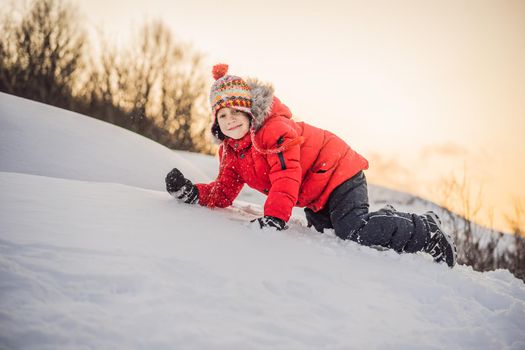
<point>451,251</point>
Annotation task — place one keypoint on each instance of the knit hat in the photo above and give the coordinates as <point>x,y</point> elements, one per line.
<point>228,91</point>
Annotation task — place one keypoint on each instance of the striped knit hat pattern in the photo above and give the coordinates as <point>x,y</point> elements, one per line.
<point>229,91</point>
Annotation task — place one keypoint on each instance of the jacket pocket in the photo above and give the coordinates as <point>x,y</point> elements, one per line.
<point>323,168</point>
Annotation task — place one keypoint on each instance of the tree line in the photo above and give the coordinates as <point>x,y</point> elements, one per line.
<point>155,87</point>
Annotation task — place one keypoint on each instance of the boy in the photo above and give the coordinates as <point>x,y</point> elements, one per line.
<point>297,164</point>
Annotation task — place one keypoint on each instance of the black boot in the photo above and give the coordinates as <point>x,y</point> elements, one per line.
<point>440,245</point>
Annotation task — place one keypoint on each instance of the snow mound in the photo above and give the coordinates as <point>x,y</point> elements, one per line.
<point>105,259</point>
<point>43,140</point>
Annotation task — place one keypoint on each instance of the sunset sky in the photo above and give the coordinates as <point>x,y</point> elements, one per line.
<point>424,89</point>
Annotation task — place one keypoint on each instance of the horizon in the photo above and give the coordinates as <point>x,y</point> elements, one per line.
<point>423,90</point>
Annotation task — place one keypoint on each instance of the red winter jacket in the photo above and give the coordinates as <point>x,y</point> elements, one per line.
<point>293,163</point>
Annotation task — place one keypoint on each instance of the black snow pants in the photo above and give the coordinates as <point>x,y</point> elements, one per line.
<point>347,213</point>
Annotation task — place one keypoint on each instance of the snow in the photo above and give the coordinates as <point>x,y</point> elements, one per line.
<point>35,139</point>
<point>95,255</point>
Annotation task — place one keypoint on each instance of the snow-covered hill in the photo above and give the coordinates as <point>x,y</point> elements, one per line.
<point>94,254</point>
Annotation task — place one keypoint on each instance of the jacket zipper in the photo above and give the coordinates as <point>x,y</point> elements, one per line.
<point>280,154</point>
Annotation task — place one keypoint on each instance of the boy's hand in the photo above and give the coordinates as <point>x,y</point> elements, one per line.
<point>180,187</point>
<point>271,221</point>
<point>174,181</point>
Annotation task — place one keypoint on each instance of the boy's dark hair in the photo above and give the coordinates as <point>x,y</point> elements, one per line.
<point>216,131</point>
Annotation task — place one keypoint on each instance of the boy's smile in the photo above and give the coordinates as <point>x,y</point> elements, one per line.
<point>235,127</point>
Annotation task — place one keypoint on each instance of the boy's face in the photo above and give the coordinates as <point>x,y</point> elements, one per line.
<point>233,123</point>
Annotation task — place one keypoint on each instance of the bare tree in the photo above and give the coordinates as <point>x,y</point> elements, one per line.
<point>516,258</point>
<point>41,54</point>
<point>457,196</point>
<point>516,220</point>
<point>470,207</point>
<point>159,84</point>
<point>491,258</point>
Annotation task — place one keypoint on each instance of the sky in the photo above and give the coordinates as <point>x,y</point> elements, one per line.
<point>426,90</point>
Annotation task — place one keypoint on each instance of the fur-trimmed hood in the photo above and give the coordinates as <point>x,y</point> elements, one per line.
<point>262,100</point>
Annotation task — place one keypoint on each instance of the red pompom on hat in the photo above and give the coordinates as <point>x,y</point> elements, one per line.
<point>219,70</point>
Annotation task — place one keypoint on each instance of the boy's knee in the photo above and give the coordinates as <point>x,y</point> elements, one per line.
<point>376,231</point>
